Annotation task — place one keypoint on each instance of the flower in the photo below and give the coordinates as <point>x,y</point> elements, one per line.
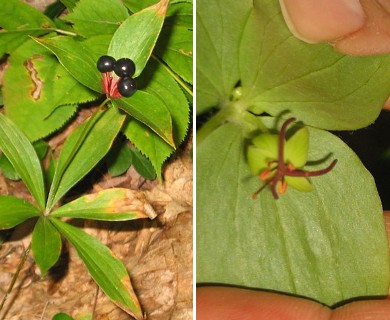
<point>279,161</point>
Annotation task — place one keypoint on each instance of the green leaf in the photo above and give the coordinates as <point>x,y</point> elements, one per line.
<point>142,164</point>
<point>50,171</point>
<point>135,5</point>
<point>70,4</point>
<point>219,26</point>
<point>71,168</point>
<point>46,244</point>
<point>76,59</point>
<point>16,14</point>
<point>180,13</point>
<point>306,244</point>
<point>11,40</point>
<point>9,171</point>
<point>119,160</point>
<point>149,143</point>
<point>23,158</point>
<point>151,111</point>
<point>278,72</point>
<point>176,50</point>
<point>41,148</point>
<point>19,20</point>
<point>162,86</point>
<point>108,272</point>
<point>92,18</point>
<point>319,86</point>
<point>116,204</point>
<point>137,36</point>
<point>159,83</point>
<point>62,316</point>
<point>14,211</point>
<point>39,94</point>
<point>98,45</point>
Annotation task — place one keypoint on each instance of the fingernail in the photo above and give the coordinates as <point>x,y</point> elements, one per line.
<point>322,20</point>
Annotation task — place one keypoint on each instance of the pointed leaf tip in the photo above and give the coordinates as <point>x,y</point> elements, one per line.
<point>108,271</point>
<point>161,7</point>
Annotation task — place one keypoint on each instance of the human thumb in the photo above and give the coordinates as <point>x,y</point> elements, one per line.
<point>322,20</point>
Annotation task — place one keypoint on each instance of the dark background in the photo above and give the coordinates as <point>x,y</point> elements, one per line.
<point>372,145</point>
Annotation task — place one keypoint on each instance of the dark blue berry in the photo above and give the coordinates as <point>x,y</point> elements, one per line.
<point>124,67</point>
<point>126,86</point>
<point>106,64</point>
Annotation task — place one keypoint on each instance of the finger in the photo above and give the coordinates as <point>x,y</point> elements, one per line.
<point>363,310</point>
<point>214,303</point>
<point>387,104</point>
<point>374,36</point>
<point>220,303</point>
<point>322,20</point>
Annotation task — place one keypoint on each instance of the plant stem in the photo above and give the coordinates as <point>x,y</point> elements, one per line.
<point>234,112</point>
<point>68,33</point>
<point>15,277</point>
<point>95,302</point>
<point>60,31</point>
<point>213,123</point>
<point>174,75</point>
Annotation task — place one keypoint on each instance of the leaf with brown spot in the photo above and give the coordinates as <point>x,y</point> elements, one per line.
<point>107,270</point>
<point>35,85</point>
<point>117,204</point>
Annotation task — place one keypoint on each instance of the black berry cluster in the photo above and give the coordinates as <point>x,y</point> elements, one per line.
<point>124,68</point>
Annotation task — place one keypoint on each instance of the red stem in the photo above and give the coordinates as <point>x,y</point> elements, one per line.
<point>301,173</point>
<point>282,139</point>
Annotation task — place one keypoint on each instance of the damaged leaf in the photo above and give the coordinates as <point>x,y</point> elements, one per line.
<point>108,272</point>
<point>116,204</point>
<point>39,94</point>
<point>76,59</point>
